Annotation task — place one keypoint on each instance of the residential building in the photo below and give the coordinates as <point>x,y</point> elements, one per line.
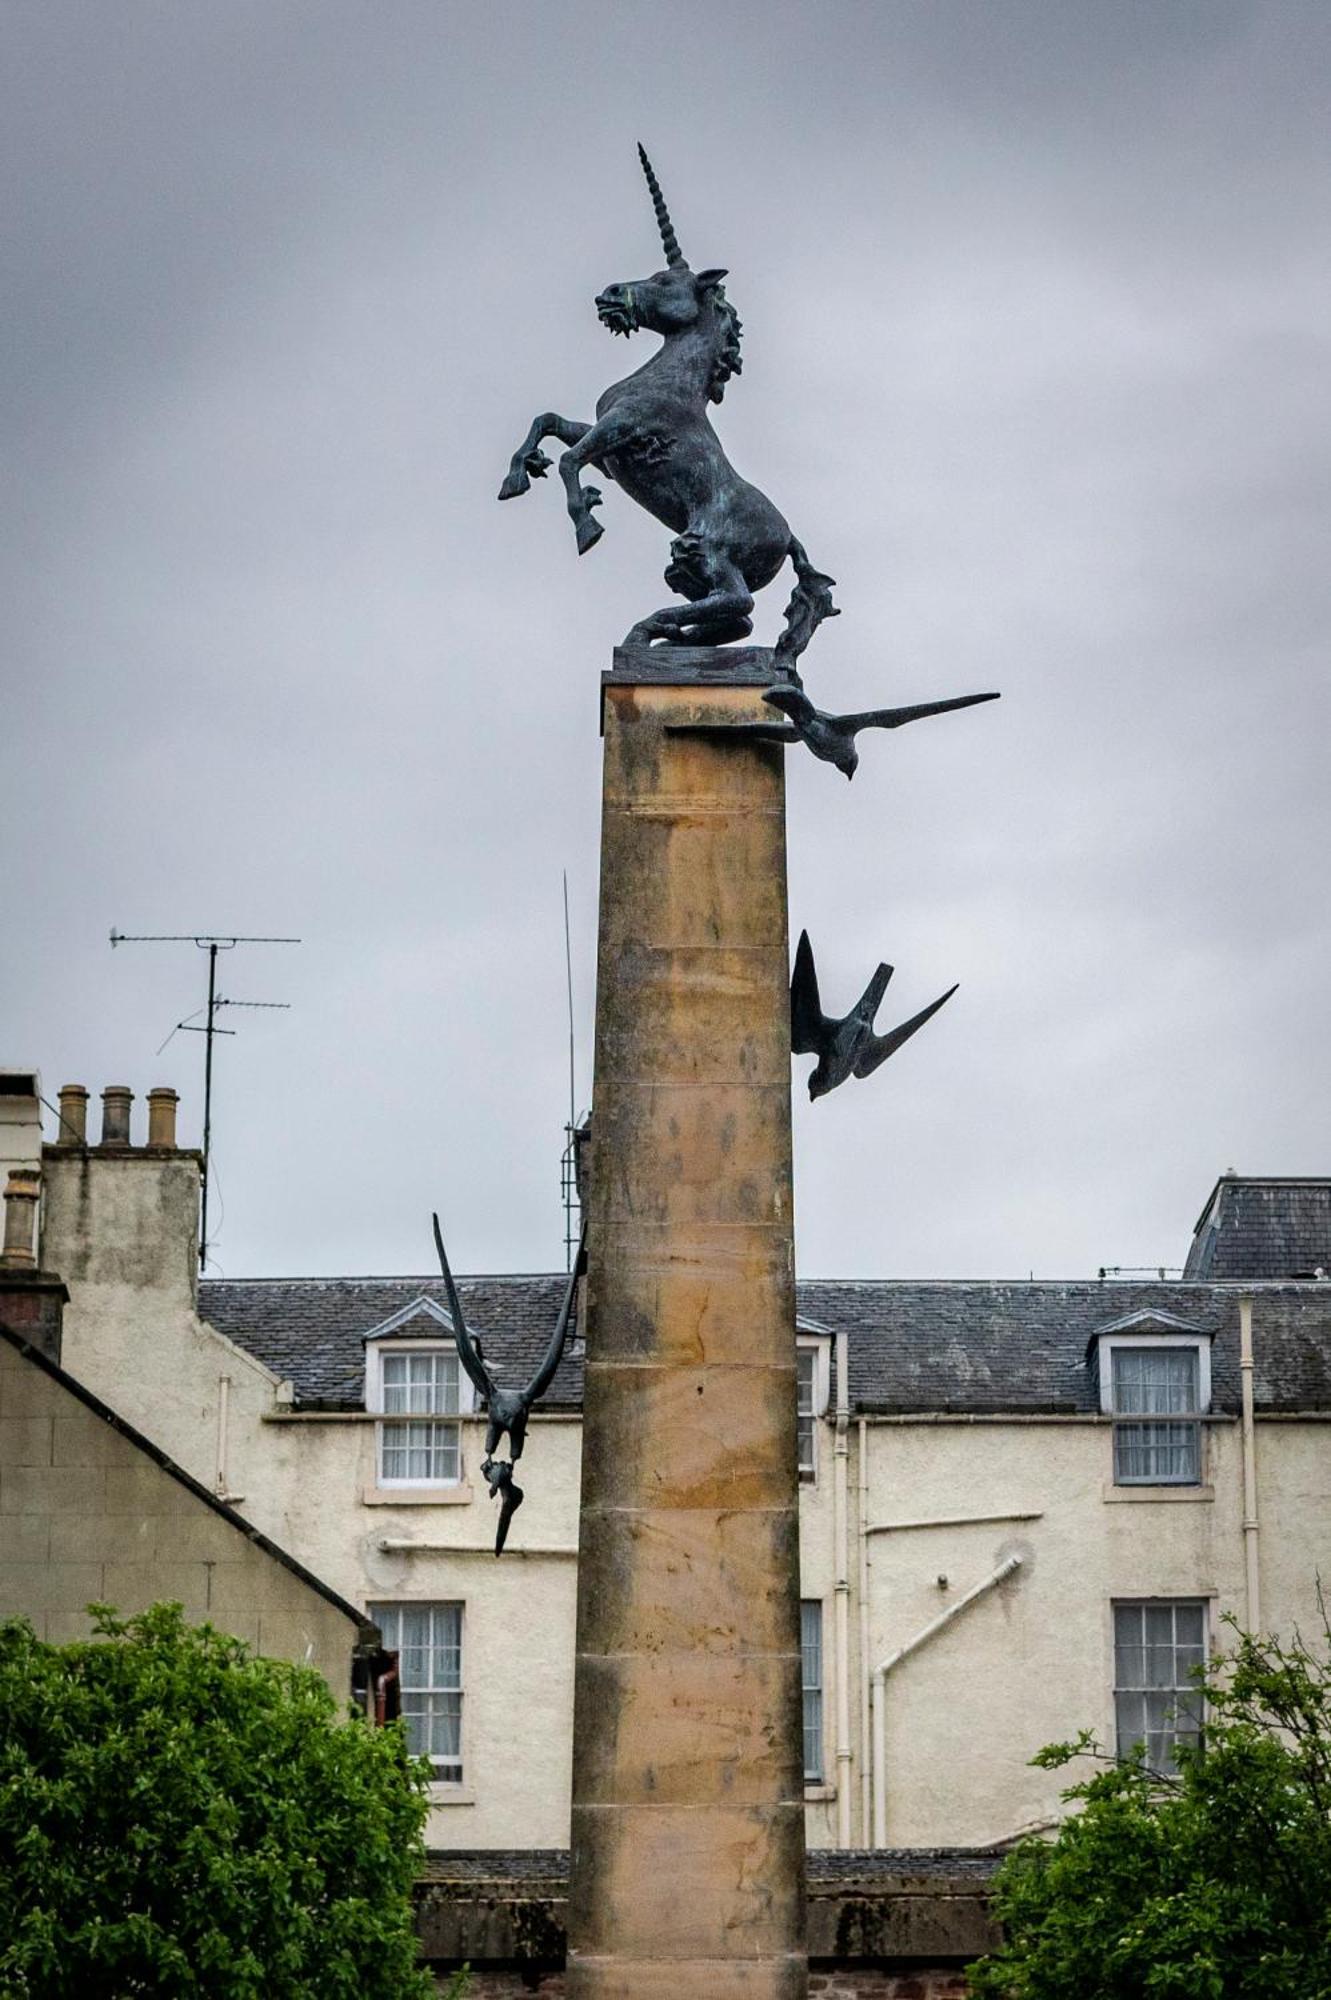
<point>1026,1507</point>
<point>92,1511</point>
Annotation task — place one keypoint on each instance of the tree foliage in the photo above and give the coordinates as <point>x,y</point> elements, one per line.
<point>1213,1884</point>
<point>180,1818</point>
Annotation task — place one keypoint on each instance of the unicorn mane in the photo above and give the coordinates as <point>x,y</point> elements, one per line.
<point>727,361</point>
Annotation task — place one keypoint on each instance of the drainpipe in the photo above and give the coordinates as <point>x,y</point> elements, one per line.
<point>222,1484</point>
<point>893,1660</point>
<point>841,1599</point>
<point>866,1796</point>
<point>1251,1567</point>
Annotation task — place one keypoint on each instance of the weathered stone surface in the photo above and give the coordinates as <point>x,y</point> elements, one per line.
<point>686,1436</point>
<point>706,1729</point>
<point>882,1926</point>
<point>682,1580</point>
<point>699,1016</point>
<point>716,1978</point>
<point>691,1153</point>
<point>664,1883</point>
<point>687,1868</point>
<point>710,1297</point>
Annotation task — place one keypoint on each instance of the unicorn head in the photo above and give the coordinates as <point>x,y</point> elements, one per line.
<point>669,300</point>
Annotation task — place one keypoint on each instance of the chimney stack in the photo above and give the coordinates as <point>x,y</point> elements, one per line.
<point>32,1302</point>
<point>116,1100</point>
<point>73,1116</point>
<point>21,1197</point>
<point>162,1104</point>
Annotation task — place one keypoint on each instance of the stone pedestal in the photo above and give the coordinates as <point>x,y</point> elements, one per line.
<point>687,1836</point>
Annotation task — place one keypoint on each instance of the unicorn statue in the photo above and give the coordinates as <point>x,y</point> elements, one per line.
<point>653,437</point>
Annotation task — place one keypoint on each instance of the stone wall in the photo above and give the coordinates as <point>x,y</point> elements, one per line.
<point>889,1926</point>
<point>90,1514</point>
<point>847,1984</point>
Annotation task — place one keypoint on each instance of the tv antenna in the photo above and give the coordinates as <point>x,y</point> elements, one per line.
<point>211,1008</point>
<point>568,1165</point>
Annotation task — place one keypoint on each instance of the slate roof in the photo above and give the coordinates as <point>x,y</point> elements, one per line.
<point>825,1865</point>
<point>311,1330</point>
<point>974,1348</point>
<point>1262,1229</point>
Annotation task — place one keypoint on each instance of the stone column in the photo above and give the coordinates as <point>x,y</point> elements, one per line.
<point>688,1818</point>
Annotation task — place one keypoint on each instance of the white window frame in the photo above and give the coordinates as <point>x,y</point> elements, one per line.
<point>820,1347</point>
<point>1199,1602</point>
<point>381,1343</point>
<point>818,1691</point>
<point>448,1772</point>
<point>1159,1343</point>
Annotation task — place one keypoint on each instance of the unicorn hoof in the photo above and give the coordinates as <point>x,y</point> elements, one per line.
<point>516,482</point>
<point>589,534</point>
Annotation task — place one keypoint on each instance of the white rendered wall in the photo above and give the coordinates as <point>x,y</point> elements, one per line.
<point>1030,1662</point>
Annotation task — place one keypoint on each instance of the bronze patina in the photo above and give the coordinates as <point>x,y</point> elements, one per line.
<point>653,437</point>
<point>848,1047</point>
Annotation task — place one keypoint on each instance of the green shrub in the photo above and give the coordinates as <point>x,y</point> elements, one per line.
<point>1214,1884</point>
<point>179,1818</point>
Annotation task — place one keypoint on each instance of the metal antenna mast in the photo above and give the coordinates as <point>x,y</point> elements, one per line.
<point>212,945</point>
<point>569,1164</point>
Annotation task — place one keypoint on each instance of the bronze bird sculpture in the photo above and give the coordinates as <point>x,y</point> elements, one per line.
<point>499,1478</point>
<point>848,1047</point>
<point>507,1409</point>
<point>830,737</point>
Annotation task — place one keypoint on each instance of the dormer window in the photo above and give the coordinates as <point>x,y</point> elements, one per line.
<point>414,1384</point>
<point>420,1389</point>
<point>1155,1380</point>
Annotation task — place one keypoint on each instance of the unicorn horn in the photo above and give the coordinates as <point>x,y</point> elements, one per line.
<point>674,255</point>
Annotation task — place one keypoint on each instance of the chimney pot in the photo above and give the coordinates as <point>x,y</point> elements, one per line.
<point>162,1104</point>
<point>116,1100</point>
<point>73,1116</point>
<point>21,1197</point>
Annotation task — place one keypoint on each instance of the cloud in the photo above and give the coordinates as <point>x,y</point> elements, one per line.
<point>1035,305</point>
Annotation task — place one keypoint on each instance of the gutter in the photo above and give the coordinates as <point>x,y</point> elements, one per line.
<point>894,1660</point>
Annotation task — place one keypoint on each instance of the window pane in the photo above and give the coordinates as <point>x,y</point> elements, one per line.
<point>426,1451</point>
<point>806,1377</point>
<point>428,1641</point>
<point>811,1648</point>
<point>421,1385</point>
<point>1155,1381</point>
<point>1160,1453</point>
<point>806,1361</point>
<point>395,1382</point>
<point>1156,1646</point>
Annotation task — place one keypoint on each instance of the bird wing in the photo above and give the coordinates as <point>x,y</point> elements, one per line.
<point>792,701</point>
<point>880,1047</point>
<point>545,1374</point>
<point>755,732</point>
<point>871,998</point>
<point>892,718</point>
<point>809,1026</point>
<point>467,1353</point>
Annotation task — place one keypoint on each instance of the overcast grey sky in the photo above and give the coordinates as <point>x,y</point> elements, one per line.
<point>1036,303</point>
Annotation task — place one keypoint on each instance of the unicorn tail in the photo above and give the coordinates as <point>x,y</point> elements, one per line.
<point>810,603</point>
